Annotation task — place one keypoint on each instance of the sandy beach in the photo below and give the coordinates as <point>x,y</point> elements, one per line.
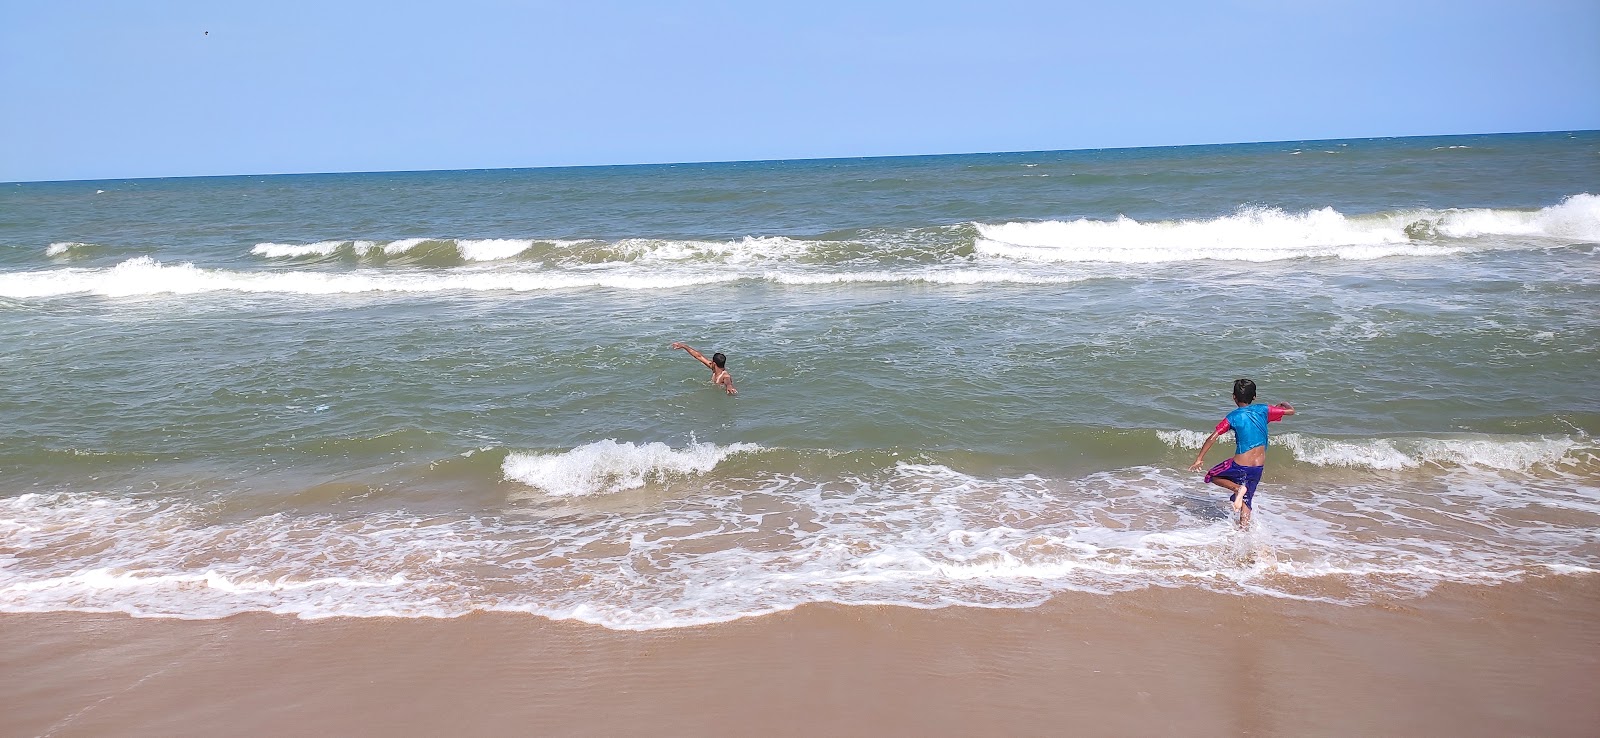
<point>1517,659</point>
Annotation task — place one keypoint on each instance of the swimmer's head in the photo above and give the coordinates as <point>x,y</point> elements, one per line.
<point>1244,391</point>
<point>722,363</point>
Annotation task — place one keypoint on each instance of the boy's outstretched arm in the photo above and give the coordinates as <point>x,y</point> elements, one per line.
<point>1200,461</point>
<point>695,354</point>
<point>1280,410</point>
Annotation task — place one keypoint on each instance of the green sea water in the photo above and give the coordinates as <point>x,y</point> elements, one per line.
<point>973,379</point>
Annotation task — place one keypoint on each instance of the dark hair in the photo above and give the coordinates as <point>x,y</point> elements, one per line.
<point>1244,390</point>
<point>722,361</point>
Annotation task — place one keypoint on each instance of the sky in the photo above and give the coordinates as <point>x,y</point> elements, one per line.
<point>93,90</point>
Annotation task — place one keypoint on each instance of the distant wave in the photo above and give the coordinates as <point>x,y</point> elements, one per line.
<point>1270,234</point>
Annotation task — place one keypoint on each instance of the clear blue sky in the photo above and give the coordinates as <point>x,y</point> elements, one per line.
<point>97,89</point>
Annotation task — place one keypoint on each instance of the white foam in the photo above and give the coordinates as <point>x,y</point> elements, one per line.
<point>1571,569</point>
<point>608,466</point>
<point>1271,234</point>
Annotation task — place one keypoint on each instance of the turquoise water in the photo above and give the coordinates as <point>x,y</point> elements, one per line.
<point>972,379</point>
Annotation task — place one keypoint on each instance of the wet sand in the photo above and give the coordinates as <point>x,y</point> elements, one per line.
<point>1516,659</point>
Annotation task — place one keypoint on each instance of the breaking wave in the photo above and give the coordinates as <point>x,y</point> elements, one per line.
<point>608,466</point>
<point>1270,234</point>
<point>67,248</point>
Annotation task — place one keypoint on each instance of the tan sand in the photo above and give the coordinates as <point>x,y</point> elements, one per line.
<point>1520,659</point>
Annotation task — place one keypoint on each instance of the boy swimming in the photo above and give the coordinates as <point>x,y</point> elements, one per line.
<point>1242,473</point>
<point>718,364</point>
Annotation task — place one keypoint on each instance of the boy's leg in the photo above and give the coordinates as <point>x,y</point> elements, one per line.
<point>1244,500</point>
<point>1229,477</point>
<point>1234,488</point>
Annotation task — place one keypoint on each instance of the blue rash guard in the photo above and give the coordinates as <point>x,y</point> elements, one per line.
<point>1249,424</point>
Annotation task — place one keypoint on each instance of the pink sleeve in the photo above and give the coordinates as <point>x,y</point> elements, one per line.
<point>1223,427</point>
<point>1274,414</point>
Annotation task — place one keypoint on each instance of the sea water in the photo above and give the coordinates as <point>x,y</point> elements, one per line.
<point>963,380</point>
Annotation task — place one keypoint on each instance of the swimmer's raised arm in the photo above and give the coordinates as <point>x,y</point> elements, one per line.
<point>695,354</point>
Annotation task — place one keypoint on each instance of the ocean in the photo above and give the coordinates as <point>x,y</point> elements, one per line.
<point>964,380</point>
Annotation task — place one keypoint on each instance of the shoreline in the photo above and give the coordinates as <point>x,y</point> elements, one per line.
<point>1519,658</point>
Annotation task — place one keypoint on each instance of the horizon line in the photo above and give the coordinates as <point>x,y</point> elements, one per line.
<point>796,159</point>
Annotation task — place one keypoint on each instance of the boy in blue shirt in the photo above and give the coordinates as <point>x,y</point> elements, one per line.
<point>1242,473</point>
